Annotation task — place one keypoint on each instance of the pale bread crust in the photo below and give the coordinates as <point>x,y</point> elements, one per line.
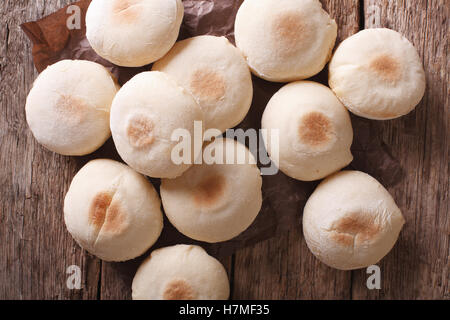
<point>285,42</point>
<point>133,33</point>
<point>351,221</point>
<point>216,74</point>
<point>112,211</point>
<point>68,107</point>
<point>315,131</point>
<point>217,202</point>
<point>377,74</point>
<point>181,272</point>
<point>144,115</point>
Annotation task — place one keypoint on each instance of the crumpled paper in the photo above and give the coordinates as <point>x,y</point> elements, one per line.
<point>284,198</point>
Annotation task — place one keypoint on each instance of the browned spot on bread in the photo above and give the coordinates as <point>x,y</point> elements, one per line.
<point>209,191</point>
<point>140,131</point>
<point>106,214</point>
<point>207,84</point>
<point>71,109</point>
<point>386,67</point>
<point>289,29</point>
<point>125,11</point>
<point>343,238</point>
<point>178,290</point>
<point>115,221</point>
<point>99,207</point>
<point>315,129</point>
<point>358,227</point>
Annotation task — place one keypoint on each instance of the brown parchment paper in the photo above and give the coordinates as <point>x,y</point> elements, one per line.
<point>284,198</point>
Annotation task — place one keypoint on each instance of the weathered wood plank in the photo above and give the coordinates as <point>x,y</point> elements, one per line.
<point>418,267</point>
<point>35,247</point>
<point>283,268</point>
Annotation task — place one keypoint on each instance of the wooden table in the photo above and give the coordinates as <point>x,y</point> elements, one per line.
<point>35,248</point>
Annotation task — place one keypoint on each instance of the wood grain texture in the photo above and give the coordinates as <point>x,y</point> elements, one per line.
<point>418,267</point>
<point>283,268</point>
<point>35,248</point>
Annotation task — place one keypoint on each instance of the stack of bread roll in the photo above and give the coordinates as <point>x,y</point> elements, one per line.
<point>114,212</point>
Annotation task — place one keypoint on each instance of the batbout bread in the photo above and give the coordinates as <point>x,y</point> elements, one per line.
<point>215,202</point>
<point>315,131</point>
<point>112,211</point>
<point>133,33</point>
<point>181,272</point>
<point>351,221</point>
<point>216,74</point>
<point>285,40</point>
<point>144,115</point>
<point>68,107</point>
<point>377,74</point>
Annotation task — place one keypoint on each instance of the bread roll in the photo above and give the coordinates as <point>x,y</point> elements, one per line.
<point>215,202</point>
<point>315,131</point>
<point>180,272</point>
<point>351,221</point>
<point>377,74</point>
<point>216,74</point>
<point>144,116</point>
<point>285,40</point>
<point>68,107</point>
<point>112,211</point>
<point>133,33</point>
